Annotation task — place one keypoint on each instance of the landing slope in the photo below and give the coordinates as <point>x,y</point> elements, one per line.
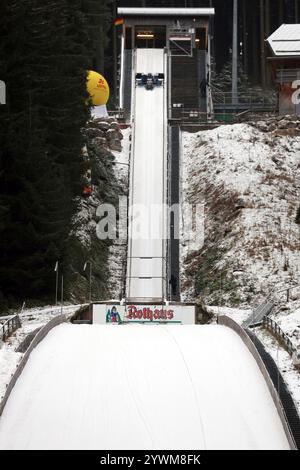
<point>141,387</point>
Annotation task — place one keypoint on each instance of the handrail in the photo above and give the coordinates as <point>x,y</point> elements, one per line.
<point>275,292</point>
<point>272,325</point>
<point>9,327</point>
<point>117,113</point>
<point>259,313</point>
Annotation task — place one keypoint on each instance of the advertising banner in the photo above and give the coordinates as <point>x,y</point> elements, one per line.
<point>116,314</point>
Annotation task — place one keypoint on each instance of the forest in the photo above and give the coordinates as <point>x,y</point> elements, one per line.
<point>45,50</point>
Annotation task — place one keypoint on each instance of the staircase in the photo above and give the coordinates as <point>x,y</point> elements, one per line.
<point>259,314</point>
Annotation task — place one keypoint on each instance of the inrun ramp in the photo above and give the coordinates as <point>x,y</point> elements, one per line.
<point>139,387</point>
<point>146,264</point>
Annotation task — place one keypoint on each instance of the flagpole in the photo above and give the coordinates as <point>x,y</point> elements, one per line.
<point>62,293</point>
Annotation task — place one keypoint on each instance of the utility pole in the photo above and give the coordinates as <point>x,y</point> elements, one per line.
<point>268,32</point>
<point>62,294</point>
<point>235,53</point>
<point>245,37</point>
<point>262,43</point>
<point>90,283</point>
<point>56,269</point>
<point>115,49</point>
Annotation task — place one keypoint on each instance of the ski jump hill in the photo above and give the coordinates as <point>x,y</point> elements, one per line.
<point>142,386</point>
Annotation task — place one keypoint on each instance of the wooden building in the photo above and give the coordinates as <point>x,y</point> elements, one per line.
<point>284,60</point>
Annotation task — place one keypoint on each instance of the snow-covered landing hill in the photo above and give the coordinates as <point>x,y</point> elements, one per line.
<point>249,181</point>
<point>32,320</point>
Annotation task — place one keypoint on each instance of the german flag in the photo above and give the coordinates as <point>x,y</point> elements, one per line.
<point>119,21</point>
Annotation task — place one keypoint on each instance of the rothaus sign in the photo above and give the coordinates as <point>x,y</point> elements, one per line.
<point>117,314</point>
<point>149,313</point>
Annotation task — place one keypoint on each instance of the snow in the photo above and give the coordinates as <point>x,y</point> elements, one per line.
<point>9,360</point>
<point>258,175</point>
<point>237,314</point>
<point>31,319</point>
<point>147,186</point>
<point>98,112</point>
<point>117,251</point>
<point>141,387</point>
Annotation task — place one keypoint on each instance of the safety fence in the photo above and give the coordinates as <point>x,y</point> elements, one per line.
<point>274,328</point>
<point>242,101</point>
<point>9,327</point>
<point>220,116</point>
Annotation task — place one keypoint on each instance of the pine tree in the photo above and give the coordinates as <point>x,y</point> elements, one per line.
<point>44,57</point>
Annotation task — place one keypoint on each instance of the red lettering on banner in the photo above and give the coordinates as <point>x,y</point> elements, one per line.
<point>148,314</point>
<point>170,314</point>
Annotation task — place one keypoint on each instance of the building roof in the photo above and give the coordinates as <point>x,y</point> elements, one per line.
<point>166,12</point>
<point>285,41</point>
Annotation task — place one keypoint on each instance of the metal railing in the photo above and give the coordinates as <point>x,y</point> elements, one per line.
<point>251,101</point>
<point>9,327</point>
<point>188,114</point>
<point>119,114</point>
<point>274,328</point>
<point>285,294</point>
<point>197,116</point>
<point>287,75</point>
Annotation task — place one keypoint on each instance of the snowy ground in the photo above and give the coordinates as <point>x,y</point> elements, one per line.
<point>249,183</point>
<point>31,320</point>
<point>141,387</point>
<point>238,315</point>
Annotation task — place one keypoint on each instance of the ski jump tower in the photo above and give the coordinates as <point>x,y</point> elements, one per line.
<point>185,35</point>
<point>164,74</point>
